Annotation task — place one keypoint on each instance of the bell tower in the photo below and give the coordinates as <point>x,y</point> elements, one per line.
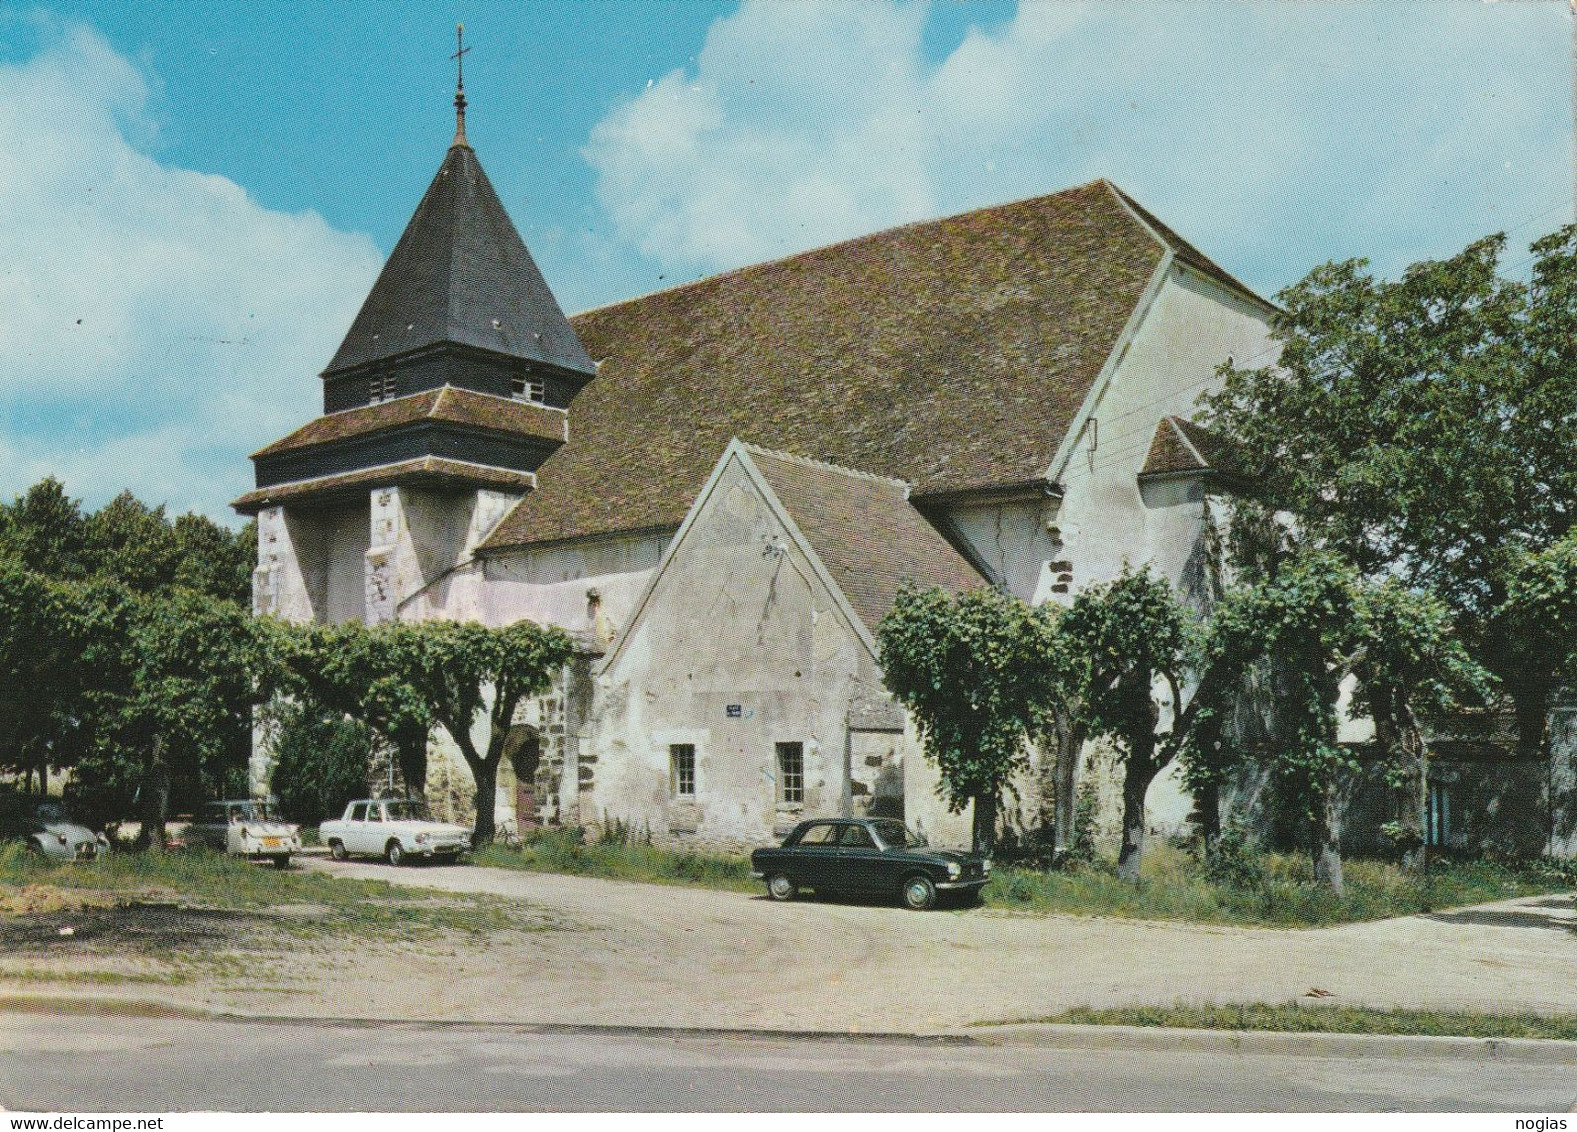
<point>450,389</point>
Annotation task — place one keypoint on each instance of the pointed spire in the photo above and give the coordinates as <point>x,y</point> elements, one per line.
<point>459,91</point>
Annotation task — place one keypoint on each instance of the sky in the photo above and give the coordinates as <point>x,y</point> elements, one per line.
<point>196,197</point>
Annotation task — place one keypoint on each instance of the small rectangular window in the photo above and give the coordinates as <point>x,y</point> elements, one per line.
<point>791,773</point>
<point>381,388</point>
<point>523,388</point>
<point>681,760</point>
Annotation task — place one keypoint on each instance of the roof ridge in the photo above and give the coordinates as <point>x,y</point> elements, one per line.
<point>759,265</point>
<point>825,465</point>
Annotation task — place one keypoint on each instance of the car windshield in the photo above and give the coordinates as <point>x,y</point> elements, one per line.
<point>51,812</point>
<point>896,835</point>
<point>254,811</point>
<point>407,811</point>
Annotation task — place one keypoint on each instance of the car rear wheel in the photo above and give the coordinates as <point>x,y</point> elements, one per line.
<point>337,851</point>
<point>919,893</point>
<point>282,862</point>
<point>394,853</point>
<point>781,887</point>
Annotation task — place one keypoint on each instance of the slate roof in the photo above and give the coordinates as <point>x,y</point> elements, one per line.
<point>446,403</point>
<point>425,470</point>
<point>865,531</point>
<point>461,273</point>
<point>953,354</point>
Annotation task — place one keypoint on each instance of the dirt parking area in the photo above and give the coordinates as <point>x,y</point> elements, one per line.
<point>657,955</point>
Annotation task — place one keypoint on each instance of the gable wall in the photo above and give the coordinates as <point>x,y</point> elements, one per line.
<point>731,623</point>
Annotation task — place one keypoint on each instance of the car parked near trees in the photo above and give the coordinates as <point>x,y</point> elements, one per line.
<point>247,828</point>
<point>48,828</point>
<point>394,829</point>
<point>869,857</point>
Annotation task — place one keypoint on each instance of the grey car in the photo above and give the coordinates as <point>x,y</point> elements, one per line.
<point>47,827</point>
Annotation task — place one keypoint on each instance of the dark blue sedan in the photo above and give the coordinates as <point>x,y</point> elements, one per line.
<point>868,857</point>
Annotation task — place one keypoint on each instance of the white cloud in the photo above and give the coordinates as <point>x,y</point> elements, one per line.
<point>156,324</point>
<point>1274,135</point>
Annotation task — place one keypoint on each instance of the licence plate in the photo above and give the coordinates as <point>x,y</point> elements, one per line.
<point>271,843</point>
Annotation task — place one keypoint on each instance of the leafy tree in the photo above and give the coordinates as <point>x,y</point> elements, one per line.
<point>1316,622</point>
<point>133,543</point>
<point>1423,429</point>
<point>982,674</point>
<point>44,530</point>
<point>175,681</point>
<point>321,763</point>
<point>366,674</point>
<point>1130,639</point>
<point>406,676</point>
<point>215,560</point>
<point>40,674</point>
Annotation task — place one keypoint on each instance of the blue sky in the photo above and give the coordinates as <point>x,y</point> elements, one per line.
<point>194,198</point>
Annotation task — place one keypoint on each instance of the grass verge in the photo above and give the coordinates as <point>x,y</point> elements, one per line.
<point>1296,1018</point>
<point>562,852</point>
<point>1276,890</point>
<point>170,918</point>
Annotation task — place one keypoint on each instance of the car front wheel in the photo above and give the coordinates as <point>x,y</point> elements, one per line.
<point>919,893</point>
<point>395,853</point>
<point>780,887</point>
<point>337,851</point>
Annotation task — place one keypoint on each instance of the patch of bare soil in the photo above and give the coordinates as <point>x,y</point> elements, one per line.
<point>140,927</point>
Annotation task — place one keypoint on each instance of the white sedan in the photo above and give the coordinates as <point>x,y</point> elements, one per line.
<point>393,829</point>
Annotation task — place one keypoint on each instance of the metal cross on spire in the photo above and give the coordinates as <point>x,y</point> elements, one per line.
<point>459,92</point>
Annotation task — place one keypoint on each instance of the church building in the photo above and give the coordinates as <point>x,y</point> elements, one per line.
<point>718,489</point>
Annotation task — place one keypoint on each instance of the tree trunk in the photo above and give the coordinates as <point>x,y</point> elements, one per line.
<point>1070,745</point>
<point>485,771</point>
<point>985,826</point>
<point>1327,839</point>
<point>1209,803</point>
<point>1402,742</point>
<point>411,750</point>
<point>155,796</point>
<point>1138,772</point>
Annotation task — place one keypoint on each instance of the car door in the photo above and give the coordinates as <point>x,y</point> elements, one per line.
<point>355,828</point>
<point>371,836</point>
<point>815,856</point>
<point>860,862</point>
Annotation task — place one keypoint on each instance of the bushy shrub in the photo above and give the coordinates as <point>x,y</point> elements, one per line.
<point>1235,863</point>
<point>322,764</point>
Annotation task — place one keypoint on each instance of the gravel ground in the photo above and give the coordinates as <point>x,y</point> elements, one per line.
<point>669,956</point>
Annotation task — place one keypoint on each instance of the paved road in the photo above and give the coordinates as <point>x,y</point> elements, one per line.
<point>87,1064</point>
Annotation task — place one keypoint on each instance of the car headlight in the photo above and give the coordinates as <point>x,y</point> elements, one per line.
<point>421,839</point>
<point>62,838</point>
<point>953,870</point>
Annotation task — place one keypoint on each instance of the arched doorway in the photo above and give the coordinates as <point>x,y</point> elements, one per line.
<point>523,749</point>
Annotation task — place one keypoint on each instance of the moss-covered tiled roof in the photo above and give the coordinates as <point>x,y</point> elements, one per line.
<point>426,470</point>
<point>458,406</point>
<point>953,354</point>
<point>865,531</point>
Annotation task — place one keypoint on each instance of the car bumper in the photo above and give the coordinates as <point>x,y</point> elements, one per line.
<point>757,874</point>
<point>954,885</point>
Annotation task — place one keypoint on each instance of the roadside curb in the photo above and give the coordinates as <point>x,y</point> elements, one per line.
<point>1051,1035</point>
<point>1535,1051</point>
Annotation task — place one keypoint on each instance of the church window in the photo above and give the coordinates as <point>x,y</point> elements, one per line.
<point>681,760</point>
<point>523,388</point>
<point>791,773</point>
<point>382,387</point>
